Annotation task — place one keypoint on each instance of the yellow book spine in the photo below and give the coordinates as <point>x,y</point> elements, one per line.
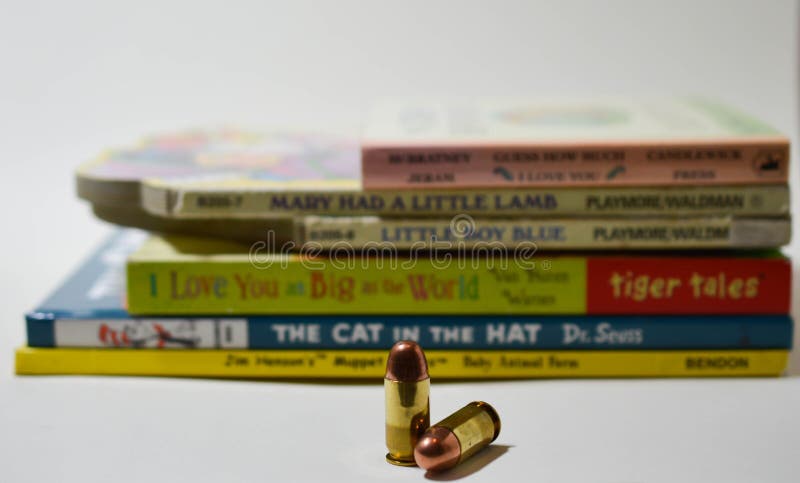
<point>371,364</point>
<point>363,285</point>
<point>544,233</point>
<point>240,198</point>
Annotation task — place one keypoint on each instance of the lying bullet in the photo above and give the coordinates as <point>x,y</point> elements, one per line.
<point>457,437</point>
<point>407,387</point>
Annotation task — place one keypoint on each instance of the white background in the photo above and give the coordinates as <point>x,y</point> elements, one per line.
<point>78,76</point>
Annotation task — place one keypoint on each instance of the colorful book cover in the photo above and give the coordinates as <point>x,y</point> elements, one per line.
<point>544,143</point>
<point>186,276</point>
<point>87,311</point>
<point>371,365</point>
<point>594,233</point>
<point>286,159</point>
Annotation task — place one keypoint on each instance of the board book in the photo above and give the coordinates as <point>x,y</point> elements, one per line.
<point>231,173</point>
<point>545,234</point>
<point>176,198</point>
<point>492,143</point>
<point>548,233</point>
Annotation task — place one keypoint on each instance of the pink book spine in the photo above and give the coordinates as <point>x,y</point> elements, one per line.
<point>761,160</point>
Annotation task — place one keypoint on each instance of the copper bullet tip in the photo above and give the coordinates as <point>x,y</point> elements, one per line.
<point>406,362</point>
<point>438,449</point>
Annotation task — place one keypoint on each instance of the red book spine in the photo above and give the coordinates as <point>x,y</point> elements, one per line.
<point>631,285</point>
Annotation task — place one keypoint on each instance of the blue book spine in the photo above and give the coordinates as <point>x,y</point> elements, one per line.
<point>375,332</point>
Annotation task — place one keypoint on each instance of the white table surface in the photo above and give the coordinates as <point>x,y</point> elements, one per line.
<point>80,76</point>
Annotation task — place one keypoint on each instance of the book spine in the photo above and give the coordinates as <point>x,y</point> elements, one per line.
<point>372,364</point>
<point>501,282</point>
<point>500,333</point>
<point>756,161</point>
<point>544,233</point>
<point>675,201</point>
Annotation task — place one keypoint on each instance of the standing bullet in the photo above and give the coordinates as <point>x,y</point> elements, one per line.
<point>407,388</point>
<point>457,437</point>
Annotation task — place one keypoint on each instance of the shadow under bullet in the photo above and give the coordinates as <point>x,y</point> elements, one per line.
<point>472,465</point>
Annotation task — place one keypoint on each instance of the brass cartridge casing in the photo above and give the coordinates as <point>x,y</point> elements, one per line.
<point>407,389</point>
<point>457,437</point>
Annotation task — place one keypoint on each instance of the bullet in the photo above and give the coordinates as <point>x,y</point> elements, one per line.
<point>457,437</point>
<point>407,388</point>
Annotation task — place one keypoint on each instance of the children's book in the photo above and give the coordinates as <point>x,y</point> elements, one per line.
<point>88,311</point>
<point>491,143</point>
<point>543,234</point>
<point>443,364</point>
<point>171,275</point>
<point>231,173</point>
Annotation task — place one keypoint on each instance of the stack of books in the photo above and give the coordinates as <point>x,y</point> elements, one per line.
<point>511,239</point>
